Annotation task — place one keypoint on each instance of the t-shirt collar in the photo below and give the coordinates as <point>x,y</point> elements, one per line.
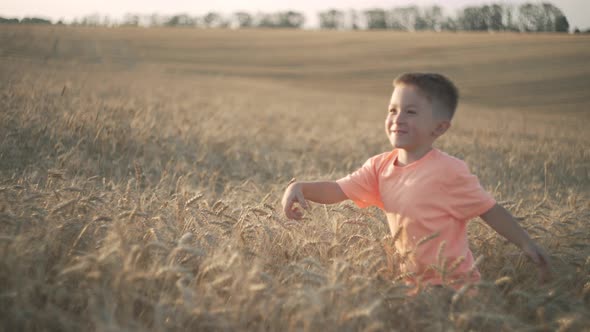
<point>411,165</point>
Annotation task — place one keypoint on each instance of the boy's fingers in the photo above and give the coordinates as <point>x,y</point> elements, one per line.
<point>288,208</point>
<point>540,258</point>
<point>289,214</point>
<point>544,267</point>
<point>534,253</point>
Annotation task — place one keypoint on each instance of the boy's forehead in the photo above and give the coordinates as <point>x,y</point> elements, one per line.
<point>407,94</point>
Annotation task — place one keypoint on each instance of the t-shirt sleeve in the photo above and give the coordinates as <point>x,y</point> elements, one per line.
<point>362,186</point>
<point>467,197</point>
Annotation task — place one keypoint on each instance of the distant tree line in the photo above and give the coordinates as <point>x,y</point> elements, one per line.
<point>527,17</point>
<point>280,19</point>
<point>26,20</point>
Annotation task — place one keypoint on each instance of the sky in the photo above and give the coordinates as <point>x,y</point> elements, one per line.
<point>577,11</point>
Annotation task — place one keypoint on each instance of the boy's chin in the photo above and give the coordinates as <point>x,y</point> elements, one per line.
<point>398,145</point>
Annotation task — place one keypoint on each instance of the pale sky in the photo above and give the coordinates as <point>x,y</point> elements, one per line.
<point>577,11</point>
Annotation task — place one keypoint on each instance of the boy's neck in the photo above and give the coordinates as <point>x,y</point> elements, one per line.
<point>405,157</point>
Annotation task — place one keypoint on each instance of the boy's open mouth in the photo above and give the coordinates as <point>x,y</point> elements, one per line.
<point>397,131</point>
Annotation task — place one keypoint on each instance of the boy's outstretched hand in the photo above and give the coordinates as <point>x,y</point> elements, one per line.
<point>504,223</point>
<point>539,257</point>
<point>293,195</point>
<point>323,192</point>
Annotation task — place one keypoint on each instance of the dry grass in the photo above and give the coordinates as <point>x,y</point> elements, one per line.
<point>141,173</point>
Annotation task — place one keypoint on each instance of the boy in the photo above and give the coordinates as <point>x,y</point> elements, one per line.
<point>427,195</point>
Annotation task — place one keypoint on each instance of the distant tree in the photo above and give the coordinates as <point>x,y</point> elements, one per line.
<point>543,17</point>
<point>529,17</point>
<point>509,17</point>
<point>561,24</point>
<point>485,18</point>
<point>243,20</point>
<point>405,18</point>
<point>473,19</point>
<point>291,19</point>
<point>493,15</point>
<point>34,20</point>
<point>576,30</point>
<point>433,18</point>
<point>420,21</point>
<point>449,24</point>
<point>9,20</point>
<point>555,20</point>
<point>376,18</point>
<point>287,19</point>
<point>214,20</point>
<point>331,19</point>
<point>180,20</point>
<point>265,20</point>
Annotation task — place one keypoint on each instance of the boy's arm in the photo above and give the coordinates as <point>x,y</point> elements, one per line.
<point>504,223</point>
<point>324,192</point>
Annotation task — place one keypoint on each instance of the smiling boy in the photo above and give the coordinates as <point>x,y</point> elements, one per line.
<point>425,193</point>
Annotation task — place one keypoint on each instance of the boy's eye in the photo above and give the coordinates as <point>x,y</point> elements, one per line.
<point>411,112</point>
<point>393,111</point>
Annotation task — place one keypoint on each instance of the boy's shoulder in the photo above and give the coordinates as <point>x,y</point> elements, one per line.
<point>450,161</point>
<point>448,166</point>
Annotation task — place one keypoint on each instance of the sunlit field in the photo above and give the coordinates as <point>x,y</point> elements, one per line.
<point>141,172</point>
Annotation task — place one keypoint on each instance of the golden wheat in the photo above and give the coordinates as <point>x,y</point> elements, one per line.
<point>141,172</point>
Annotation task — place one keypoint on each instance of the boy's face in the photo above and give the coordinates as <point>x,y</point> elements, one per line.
<point>410,123</point>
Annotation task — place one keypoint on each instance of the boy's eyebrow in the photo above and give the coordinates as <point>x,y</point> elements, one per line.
<point>406,106</point>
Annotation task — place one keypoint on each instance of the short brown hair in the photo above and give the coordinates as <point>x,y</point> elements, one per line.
<point>435,87</point>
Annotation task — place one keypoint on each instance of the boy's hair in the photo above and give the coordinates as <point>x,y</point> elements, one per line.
<point>435,87</point>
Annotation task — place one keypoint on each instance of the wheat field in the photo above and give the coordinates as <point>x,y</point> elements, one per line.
<point>141,172</point>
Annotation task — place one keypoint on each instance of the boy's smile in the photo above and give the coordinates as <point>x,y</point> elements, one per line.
<point>411,124</point>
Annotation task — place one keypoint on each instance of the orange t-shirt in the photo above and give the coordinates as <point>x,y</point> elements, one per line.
<point>432,199</point>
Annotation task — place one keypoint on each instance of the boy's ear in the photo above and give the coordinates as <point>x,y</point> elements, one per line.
<point>442,127</point>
